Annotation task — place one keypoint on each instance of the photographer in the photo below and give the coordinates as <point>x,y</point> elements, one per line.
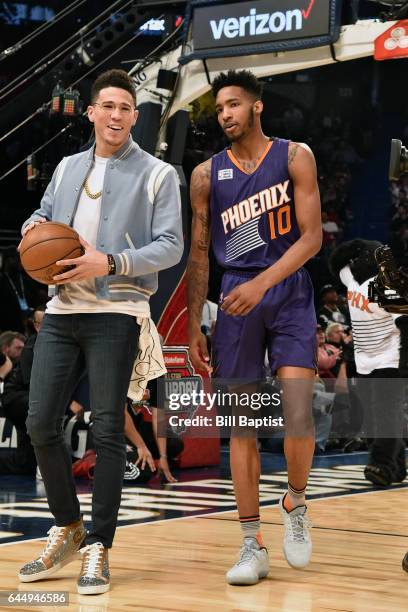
<point>20,460</point>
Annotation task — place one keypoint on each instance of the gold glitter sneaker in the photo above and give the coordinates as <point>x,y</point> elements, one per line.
<point>94,577</point>
<point>62,547</point>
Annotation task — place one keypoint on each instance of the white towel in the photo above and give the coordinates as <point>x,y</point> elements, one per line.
<point>149,362</point>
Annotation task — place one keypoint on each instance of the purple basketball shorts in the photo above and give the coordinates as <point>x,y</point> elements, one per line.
<point>283,324</point>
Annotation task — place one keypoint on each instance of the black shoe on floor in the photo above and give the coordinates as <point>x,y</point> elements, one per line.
<point>400,476</point>
<point>378,475</point>
<point>355,445</point>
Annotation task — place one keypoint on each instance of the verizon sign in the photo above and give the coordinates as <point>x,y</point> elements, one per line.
<point>240,27</point>
<point>256,24</point>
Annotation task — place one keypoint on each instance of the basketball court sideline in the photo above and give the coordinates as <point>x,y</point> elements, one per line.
<point>175,542</point>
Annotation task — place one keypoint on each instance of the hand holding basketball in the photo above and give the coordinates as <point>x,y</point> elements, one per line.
<point>90,265</point>
<point>43,244</point>
<point>54,253</point>
<point>30,227</point>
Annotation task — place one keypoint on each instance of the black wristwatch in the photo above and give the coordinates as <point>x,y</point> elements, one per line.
<point>111,265</point>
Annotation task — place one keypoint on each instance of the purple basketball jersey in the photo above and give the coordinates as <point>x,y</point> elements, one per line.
<point>253,219</point>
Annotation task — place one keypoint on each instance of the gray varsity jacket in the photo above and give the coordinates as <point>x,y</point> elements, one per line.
<point>140,222</point>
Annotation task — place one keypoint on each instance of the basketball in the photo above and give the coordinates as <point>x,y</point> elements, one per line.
<point>46,244</point>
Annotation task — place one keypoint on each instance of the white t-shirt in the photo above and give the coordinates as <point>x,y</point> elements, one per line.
<point>375,335</point>
<point>81,297</point>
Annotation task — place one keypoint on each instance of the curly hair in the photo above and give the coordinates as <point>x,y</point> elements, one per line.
<point>113,78</point>
<point>239,78</point>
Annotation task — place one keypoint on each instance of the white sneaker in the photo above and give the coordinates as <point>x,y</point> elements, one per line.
<point>253,564</point>
<point>297,544</point>
<point>38,474</point>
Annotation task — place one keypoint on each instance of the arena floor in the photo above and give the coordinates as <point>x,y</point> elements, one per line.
<point>175,542</point>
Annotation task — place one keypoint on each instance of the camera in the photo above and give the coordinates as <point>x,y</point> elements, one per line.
<point>389,289</point>
<point>398,160</point>
<point>397,9</point>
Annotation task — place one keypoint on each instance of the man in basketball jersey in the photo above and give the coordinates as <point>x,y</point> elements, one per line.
<point>125,205</point>
<point>260,198</point>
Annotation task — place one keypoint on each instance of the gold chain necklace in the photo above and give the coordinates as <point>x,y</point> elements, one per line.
<point>93,196</point>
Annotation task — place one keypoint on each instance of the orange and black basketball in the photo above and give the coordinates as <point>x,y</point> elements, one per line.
<point>46,244</point>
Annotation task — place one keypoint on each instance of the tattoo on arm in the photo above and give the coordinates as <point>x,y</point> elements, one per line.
<point>200,179</point>
<point>293,148</point>
<point>198,265</point>
<point>197,289</point>
<point>204,222</point>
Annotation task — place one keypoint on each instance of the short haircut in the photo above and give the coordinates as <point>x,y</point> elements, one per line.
<point>238,78</point>
<point>7,337</point>
<point>113,78</point>
<point>332,327</point>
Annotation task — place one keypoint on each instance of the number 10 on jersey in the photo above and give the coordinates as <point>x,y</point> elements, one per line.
<point>279,221</point>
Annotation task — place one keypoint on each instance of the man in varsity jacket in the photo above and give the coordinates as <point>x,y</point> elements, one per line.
<point>125,205</point>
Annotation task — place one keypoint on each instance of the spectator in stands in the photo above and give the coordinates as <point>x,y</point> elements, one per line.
<point>399,221</point>
<point>402,195</point>
<point>18,293</point>
<point>20,460</point>
<point>329,311</point>
<point>399,245</point>
<point>329,226</point>
<point>37,319</point>
<point>395,191</point>
<point>342,338</point>
<point>328,355</point>
<point>399,218</point>
<point>329,195</point>
<point>12,344</point>
<point>5,369</point>
<point>335,334</point>
<point>330,231</point>
<point>338,335</point>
